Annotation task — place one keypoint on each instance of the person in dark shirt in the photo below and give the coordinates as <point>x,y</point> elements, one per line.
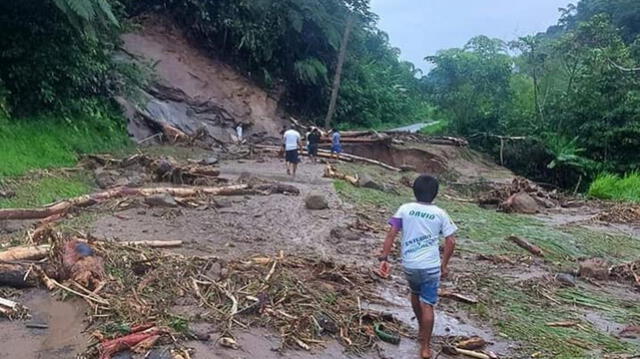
<point>313,140</point>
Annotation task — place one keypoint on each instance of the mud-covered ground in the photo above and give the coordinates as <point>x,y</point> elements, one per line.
<point>241,226</point>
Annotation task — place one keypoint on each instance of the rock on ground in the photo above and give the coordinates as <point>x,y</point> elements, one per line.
<point>316,201</point>
<point>566,279</point>
<point>366,181</point>
<point>161,200</point>
<point>520,202</point>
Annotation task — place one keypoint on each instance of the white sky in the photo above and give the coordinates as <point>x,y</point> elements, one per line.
<point>422,27</point>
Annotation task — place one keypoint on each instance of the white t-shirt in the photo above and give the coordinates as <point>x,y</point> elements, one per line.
<point>291,139</point>
<point>422,226</point>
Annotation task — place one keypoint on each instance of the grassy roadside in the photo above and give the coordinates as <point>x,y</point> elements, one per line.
<point>31,147</point>
<point>613,187</point>
<point>520,311</point>
<point>56,140</point>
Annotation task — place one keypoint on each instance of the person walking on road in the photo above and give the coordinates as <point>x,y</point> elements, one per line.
<point>336,147</point>
<point>313,141</point>
<point>292,142</point>
<point>422,224</point>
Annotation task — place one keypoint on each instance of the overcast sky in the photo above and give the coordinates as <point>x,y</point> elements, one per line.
<point>422,27</point>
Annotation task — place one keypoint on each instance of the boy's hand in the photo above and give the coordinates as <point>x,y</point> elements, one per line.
<point>444,272</point>
<point>385,269</point>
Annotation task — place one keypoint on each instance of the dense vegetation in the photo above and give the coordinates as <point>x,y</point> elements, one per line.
<point>56,79</point>
<point>572,92</point>
<point>296,43</point>
<point>561,106</point>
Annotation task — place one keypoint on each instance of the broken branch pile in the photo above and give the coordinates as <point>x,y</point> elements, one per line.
<point>303,299</point>
<point>520,196</point>
<point>627,272</point>
<point>140,168</point>
<point>622,213</point>
<point>332,172</point>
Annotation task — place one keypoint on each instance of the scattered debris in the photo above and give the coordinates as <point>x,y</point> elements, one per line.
<point>452,350</point>
<point>7,193</point>
<point>473,343</point>
<point>141,337</point>
<point>523,243</point>
<point>631,332</point>
<point>331,172</point>
<point>621,213</point>
<point>385,335</point>
<point>594,268</point>
<point>627,271</point>
<point>228,343</point>
<point>521,196</point>
<point>344,234</point>
<point>566,324</point>
<point>19,253</point>
<point>316,201</point>
<point>445,293</point>
<point>8,307</point>
<point>496,259</point>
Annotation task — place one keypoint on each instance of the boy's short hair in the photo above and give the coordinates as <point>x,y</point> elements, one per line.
<point>425,188</point>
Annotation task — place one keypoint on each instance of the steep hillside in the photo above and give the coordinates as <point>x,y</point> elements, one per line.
<point>193,91</point>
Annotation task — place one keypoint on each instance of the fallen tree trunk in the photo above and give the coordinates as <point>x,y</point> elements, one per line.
<point>444,293</point>
<point>523,243</point>
<point>84,201</point>
<point>332,172</point>
<point>152,244</point>
<point>343,156</point>
<point>15,276</point>
<point>24,253</point>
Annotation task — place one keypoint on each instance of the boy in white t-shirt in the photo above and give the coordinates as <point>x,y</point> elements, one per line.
<point>422,224</point>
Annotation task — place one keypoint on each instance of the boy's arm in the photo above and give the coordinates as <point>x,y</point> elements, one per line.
<point>388,242</point>
<point>449,246</point>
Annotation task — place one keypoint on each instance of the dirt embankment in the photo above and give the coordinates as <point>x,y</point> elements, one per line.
<point>192,90</point>
<point>457,163</point>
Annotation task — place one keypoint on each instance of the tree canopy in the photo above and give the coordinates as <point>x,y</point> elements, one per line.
<point>574,91</point>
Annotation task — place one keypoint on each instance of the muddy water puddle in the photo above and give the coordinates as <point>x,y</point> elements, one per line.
<point>63,338</point>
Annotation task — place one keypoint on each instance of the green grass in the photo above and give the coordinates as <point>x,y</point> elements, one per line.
<point>613,187</point>
<point>520,314</point>
<point>55,140</point>
<point>517,310</point>
<point>484,231</point>
<point>45,189</point>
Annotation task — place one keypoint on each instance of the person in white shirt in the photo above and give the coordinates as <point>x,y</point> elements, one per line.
<point>292,142</point>
<point>422,224</point>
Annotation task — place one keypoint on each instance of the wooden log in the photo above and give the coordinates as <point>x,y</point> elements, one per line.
<point>343,157</point>
<point>523,243</point>
<point>90,199</point>
<point>332,172</point>
<point>24,253</point>
<point>472,354</point>
<point>444,293</point>
<point>15,276</point>
<point>152,244</point>
<point>473,343</point>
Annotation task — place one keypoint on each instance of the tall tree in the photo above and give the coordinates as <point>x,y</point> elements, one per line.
<point>335,88</point>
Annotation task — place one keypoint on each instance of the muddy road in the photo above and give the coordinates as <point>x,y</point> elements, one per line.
<point>516,298</point>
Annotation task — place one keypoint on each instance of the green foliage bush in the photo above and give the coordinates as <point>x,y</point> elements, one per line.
<point>613,187</point>
<point>44,61</point>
